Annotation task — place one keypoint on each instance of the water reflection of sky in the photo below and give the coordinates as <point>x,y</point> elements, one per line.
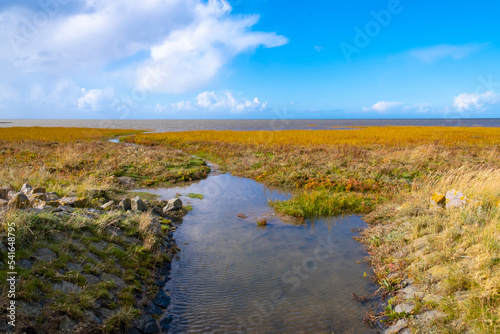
<point>232,275</point>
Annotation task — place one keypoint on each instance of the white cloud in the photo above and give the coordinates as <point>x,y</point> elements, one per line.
<point>96,99</point>
<point>190,57</point>
<point>475,101</point>
<point>384,106</point>
<point>189,41</point>
<point>437,52</point>
<point>226,101</point>
<point>212,101</point>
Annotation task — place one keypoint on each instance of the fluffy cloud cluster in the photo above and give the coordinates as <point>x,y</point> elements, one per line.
<point>186,42</point>
<point>212,101</point>
<point>383,106</point>
<point>475,101</point>
<point>192,56</point>
<point>464,102</point>
<point>96,99</point>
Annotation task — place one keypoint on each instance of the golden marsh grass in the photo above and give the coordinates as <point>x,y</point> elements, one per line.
<point>367,136</point>
<point>59,134</point>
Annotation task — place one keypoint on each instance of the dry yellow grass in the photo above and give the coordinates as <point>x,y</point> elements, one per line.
<point>76,160</point>
<point>389,136</point>
<point>58,134</point>
<point>452,254</point>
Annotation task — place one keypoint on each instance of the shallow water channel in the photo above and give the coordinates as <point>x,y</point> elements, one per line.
<point>233,276</point>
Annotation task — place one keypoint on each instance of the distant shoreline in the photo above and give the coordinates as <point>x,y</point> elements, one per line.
<point>165,125</point>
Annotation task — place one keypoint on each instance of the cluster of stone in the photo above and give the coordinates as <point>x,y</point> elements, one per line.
<point>37,198</point>
<point>452,199</point>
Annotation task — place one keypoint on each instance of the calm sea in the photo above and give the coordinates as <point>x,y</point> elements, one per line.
<point>162,125</point>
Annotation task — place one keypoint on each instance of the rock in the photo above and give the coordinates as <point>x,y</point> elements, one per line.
<point>91,279</point>
<point>44,204</point>
<point>37,190</point>
<point>113,278</point>
<point>162,299</point>
<point>134,330</point>
<point>45,254</point>
<point>120,248</point>
<point>67,287</point>
<point>19,201</point>
<point>99,245</point>
<point>52,204</point>
<point>125,180</point>
<point>93,257</point>
<point>106,313</point>
<point>52,196</point>
<point>108,206</point>
<point>429,316</point>
<point>92,317</point>
<point>126,204</point>
<point>165,323</point>
<point>66,209</point>
<point>130,240</point>
<point>456,199</point>
<point>410,292</point>
<point>437,200</point>
<point>32,308</point>
<point>67,324</point>
<point>157,211</point>
<point>405,307</point>
<point>138,204</point>
<point>77,245</point>
<point>146,324</point>
<point>76,202</point>
<point>397,327</point>
<point>25,263</point>
<point>37,197</point>
<point>95,211</point>
<point>114,231</point>
<point>73,266</point>
<point>152,309</point>
<point>4,192</point>
<point>173,204</point>
<point>26,188</point>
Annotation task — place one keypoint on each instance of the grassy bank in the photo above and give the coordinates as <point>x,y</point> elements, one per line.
<point>86,268</point>
<point>78,160</point>
<point>453,255</point>
<point>83,272</point>
<point>58,134</point>
<point>450,255</point>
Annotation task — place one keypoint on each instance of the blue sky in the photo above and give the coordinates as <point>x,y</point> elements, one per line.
<point>176,59</point>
